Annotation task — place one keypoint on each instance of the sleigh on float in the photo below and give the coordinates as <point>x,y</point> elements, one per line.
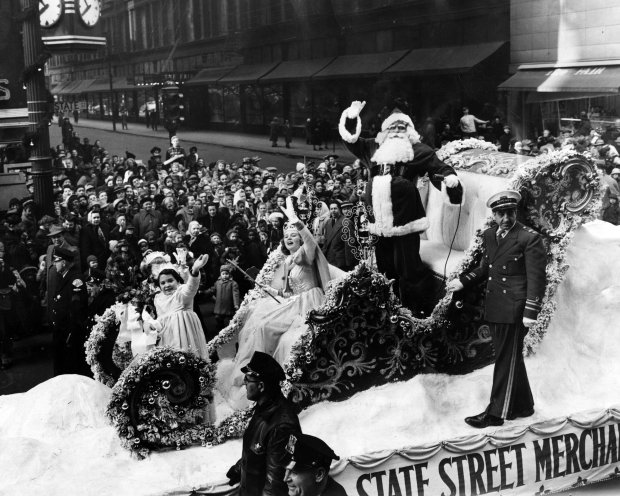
<point>361,336</point>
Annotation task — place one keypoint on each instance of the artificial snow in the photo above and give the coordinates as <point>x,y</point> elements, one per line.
<point>56,440</point>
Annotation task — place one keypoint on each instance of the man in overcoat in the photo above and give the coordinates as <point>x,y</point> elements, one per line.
<point>67,311</point>
<point>335,248</point>
<point>513,265</point>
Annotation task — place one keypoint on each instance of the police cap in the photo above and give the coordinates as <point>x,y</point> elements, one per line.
<point>309,452</point>
<point>264,367</point>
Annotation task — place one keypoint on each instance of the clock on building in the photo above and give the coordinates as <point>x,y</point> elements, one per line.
<point>50,12</point>
<point>89,11</point>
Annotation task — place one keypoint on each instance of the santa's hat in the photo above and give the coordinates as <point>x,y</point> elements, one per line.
<point>400,108</point>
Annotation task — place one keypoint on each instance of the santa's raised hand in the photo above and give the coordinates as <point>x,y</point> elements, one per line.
<point>355,109</point>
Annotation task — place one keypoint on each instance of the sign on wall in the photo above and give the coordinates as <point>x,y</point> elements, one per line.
<point>12,92</point>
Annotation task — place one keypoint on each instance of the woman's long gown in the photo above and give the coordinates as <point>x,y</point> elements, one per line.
<point>181,327</point>
<point>274,328</point>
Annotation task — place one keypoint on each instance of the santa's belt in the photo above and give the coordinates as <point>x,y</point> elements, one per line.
<point>391,169</point>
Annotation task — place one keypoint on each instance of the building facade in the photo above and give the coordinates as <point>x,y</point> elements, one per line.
<point>565,56</point>
<point>243,62</point>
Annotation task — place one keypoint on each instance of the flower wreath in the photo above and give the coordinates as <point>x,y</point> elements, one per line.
<point>150,408</point>
<point>100,333</point>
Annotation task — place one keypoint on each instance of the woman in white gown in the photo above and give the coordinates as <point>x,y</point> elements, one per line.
<point>180,326</point>
<point>299,284</point>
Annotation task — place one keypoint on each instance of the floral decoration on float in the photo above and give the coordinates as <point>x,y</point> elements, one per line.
<point>106,353</point>
<point>161,400</point>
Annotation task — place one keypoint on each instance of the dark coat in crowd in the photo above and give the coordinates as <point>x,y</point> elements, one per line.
<point>92,243</point>
<point>264,457</point>
<point>67,311</point>
<point>336,250</point>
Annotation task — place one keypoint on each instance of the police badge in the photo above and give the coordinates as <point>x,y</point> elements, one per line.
<point>290,447</point>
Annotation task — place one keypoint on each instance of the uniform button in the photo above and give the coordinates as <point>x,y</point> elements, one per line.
<point>490,266</point>
<point>504,267</point>
<point>503,279</point>
<point>490,278</point>
<point>516,259</point>
<point>504,291</point>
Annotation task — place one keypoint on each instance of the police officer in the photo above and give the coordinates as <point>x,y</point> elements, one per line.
<point>308,472</point>
<point>261,469</point>
<point>68,303</point>
<point>513,266</point>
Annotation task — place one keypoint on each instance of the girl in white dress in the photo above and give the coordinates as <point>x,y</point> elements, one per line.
<point>181,327</point>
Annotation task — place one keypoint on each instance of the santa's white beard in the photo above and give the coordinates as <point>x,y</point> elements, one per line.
<point>396,148</point>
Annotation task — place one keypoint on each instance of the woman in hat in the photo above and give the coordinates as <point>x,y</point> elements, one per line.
<point>299,285</point>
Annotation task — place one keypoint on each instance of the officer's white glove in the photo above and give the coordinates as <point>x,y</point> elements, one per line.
<point>528,322</point>
<point>454,285</point>
<point>452,181</point>
<point>355,109</point>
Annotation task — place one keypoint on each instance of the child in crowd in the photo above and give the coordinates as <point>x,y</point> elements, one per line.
<point>226,292</point>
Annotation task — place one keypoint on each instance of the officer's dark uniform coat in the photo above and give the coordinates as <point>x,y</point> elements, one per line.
<point>67,307</point>
<point>514,270</point>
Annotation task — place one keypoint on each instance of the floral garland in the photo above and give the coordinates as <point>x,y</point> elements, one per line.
<point>264,278</point>
<point>454,147</point>
<point>94,344</point>
<point>301,352</point>
<point>104,324</point>
<point>146,391</point>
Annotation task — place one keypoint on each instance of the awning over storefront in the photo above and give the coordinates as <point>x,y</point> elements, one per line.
<point>247,73</point>
<point>103,85</point>
<point>209,75</point>
<point>361,65</point>
<point>444,60</point>
<point>535,97</point>
<point>67,89</point>
<point>595,80</point>
<point>82,87</point>
<point>292,70</point>
<point>58,88</point>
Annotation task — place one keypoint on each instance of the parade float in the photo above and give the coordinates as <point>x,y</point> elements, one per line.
<point>388,389</point>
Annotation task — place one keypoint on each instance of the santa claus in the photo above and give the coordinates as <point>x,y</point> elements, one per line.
<point>396,159</point>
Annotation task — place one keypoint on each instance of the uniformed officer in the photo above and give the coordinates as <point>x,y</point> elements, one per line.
<point>308,472</point>
<point>68,303</point>
<point>513,266</point>
<point>261,469</point>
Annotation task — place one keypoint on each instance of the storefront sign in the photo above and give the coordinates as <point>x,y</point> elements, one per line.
<point>64,107</point>
<point>544,457</point>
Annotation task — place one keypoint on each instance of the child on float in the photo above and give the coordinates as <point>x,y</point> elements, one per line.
<point>180,325</point>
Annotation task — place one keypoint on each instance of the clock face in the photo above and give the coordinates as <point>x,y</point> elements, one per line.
<point>89,11</point>
<point>50,12</point>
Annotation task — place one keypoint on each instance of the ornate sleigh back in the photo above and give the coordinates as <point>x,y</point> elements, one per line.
<point>363,337</point>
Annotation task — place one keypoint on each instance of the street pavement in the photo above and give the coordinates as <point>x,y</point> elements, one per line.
<point>212,145</point>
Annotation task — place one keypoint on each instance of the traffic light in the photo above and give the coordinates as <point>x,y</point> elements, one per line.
<point>172,99</point>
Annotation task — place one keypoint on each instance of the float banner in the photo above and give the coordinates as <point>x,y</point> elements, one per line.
<point>541,458</point>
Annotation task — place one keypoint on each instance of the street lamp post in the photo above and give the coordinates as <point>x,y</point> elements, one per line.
<point>38,110</point>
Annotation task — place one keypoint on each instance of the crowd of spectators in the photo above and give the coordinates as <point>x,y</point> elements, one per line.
<point>112,210</point>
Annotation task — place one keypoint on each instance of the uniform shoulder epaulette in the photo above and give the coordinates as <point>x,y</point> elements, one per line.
<point>529,229</point>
